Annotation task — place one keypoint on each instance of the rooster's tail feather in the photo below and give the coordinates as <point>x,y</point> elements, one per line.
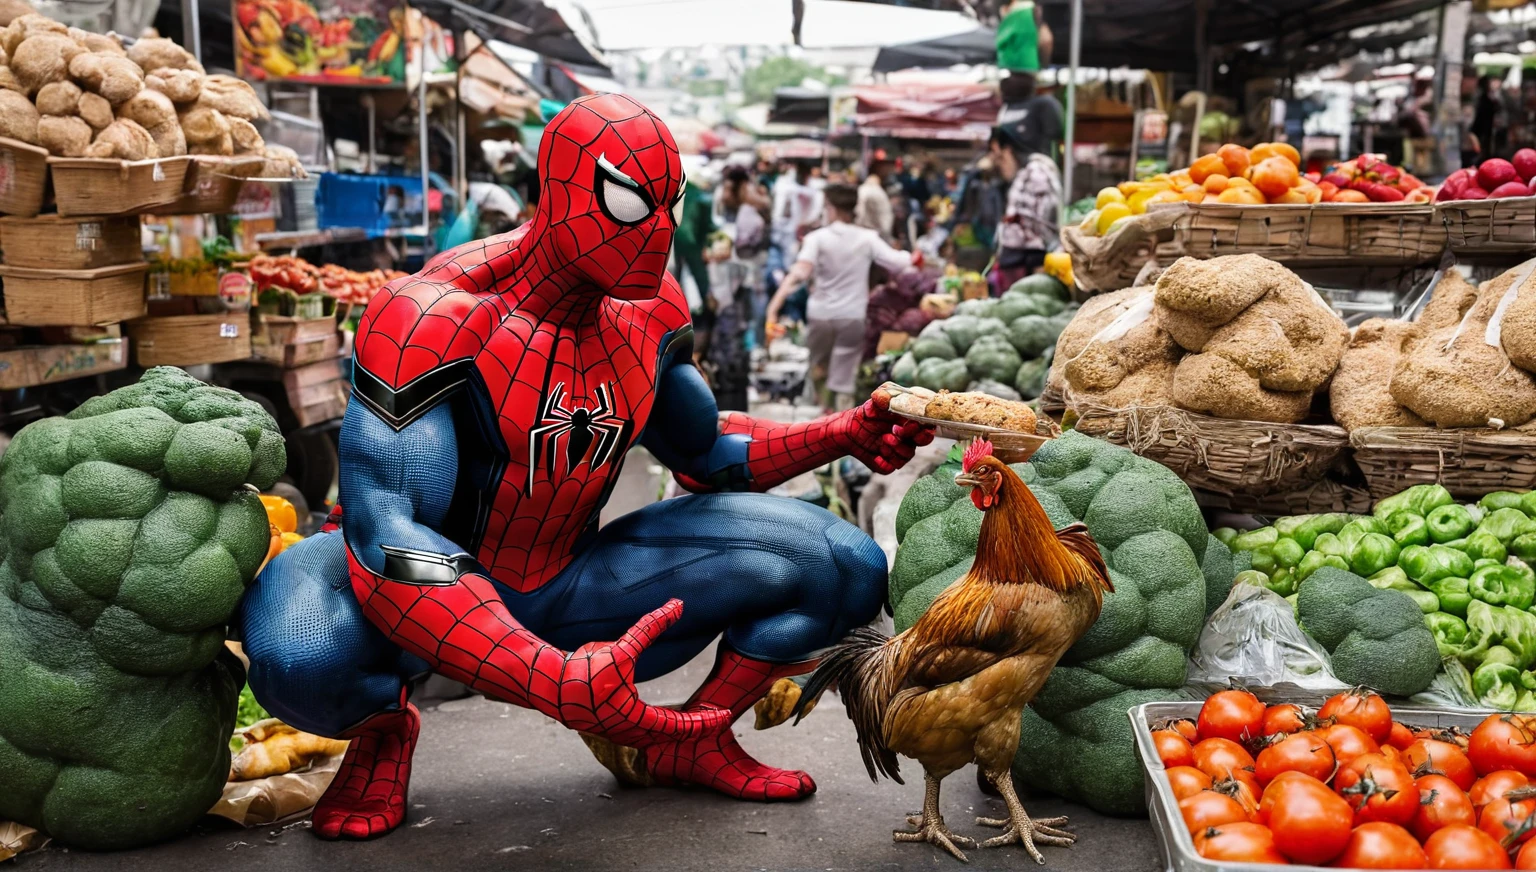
<point>859,667</point>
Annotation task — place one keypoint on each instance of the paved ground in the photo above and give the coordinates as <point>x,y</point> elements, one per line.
<point>500,788</point>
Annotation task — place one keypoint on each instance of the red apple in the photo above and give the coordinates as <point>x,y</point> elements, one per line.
<point>1495,171</point>
<point>1472,192</point>
<point>1525,164</point>
<point>1457,181</point>
<point>1445,193</point>
<point>1509,189</point>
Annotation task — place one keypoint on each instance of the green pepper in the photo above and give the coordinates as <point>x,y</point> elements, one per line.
<point>1486,561</point>
<point>1314,526</point>
<point>1254,538</point>
<point>1512,585</point>
<point>1283,582</point>
<point>1483,545</point>
<point>1225,535</point>
<point>1408,529</point>
<point>1367,523</point>
<point>1528,503</point>
<point>1454,594</point>
<point>1263,559</point>
<point>1287,552</point>
<point>1420,499</point>
<point>1500,500</point>
<point>1527,700</point>
<point>1450,632</point>
<point>1253,577</point>
<point>1427,602</point>
<point>1308,565</point>
<point>1392,578</point>
<point>1507,524</point>
<point>1500,626</point>
<point>1524,547</point>
<point>1500,654</point>
<point>1427,565</point>
<point>1330,544</point>
<point>1336,562</point>
<point>1373,553</point>
<point>1497,685</point>
<point>1449,522</point>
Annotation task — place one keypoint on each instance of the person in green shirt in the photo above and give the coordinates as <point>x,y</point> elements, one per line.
<point>693,232</point>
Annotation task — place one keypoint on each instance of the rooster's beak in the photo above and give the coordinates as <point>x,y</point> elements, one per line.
<point>965,479</point>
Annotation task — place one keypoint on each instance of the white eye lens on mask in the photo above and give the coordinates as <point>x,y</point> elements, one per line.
<point>623,204</point>
<point>677,210</point>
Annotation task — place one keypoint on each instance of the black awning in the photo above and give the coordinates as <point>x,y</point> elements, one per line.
<point>527,24</point>
<point>978,46</point>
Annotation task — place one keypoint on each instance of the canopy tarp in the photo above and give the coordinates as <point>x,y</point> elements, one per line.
<point>926,110</point>
<point>978,46</point>
<point>542,28</point>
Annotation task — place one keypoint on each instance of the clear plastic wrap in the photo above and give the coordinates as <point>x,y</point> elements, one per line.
<point>1253,641</point>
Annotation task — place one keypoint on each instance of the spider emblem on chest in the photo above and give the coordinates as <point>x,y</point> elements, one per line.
<point>588,435</point>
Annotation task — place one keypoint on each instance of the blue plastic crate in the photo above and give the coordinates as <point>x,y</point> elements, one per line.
<point>377,204</point>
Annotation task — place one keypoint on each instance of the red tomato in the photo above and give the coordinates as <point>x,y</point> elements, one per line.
<point>1231,714</point>
<point>1463,847</point>
<point>1187,781</point>
<point>1504,742</point>
<point>1378,789</point>
<point>1359,708</point>
<point>1441,804</point>
<point>1526,859</point>
<point>1285,718</point>
<point>1401,736</point>
<point>1239,843</point>
<point>1453,735</point>
<point>1381,846</point>
<point>1494,786</point>
<point>1173,748</point>
<point>1348,742</point>
<point>1208,809</point>
<point>1302,752</point>
<point>1429,756</point>
<point>1311,823</point>
<point>1245,792</point>
<point>1509,820</point>
<point>1220,758</point>
<point>1185,728</point>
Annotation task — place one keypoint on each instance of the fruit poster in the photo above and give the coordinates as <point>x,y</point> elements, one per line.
<point>321,42</point>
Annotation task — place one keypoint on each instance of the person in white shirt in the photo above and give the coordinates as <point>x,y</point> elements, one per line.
<point>836,260</point>
<point>874,209</point>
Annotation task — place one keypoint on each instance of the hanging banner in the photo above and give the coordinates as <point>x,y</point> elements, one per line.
<point>321,42</point>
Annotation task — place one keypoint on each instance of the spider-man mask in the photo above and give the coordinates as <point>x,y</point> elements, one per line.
<point>612,193</point>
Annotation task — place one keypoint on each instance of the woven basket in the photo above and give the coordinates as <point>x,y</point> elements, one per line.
<point>1324,233</point>
<point>1506,226</point>
<point>1323,496</point>
<point>54,242</point>
<point>1109,263</point>
<point>93,186</point>
<point>188,340</point>
<point>82,298</point>
<point>1231,458</point>
<point>213,185</point>
<point>23,178</point>
<point>1469,463</point>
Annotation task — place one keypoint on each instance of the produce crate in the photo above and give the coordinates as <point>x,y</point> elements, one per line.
<point>1247,459</point>
<point>1353,233</point>
<point>1319,497</point>
<point>213,185</point>
<point>1173,837</point>
<point>42,364</point>
<point>96,186</point>
<point>1505,226</point>
<point>282,330</point>
<point>55,242</point>
<point>310,349</point>
<point>1109,263</point>
<point>1468,462</point>
<point>104,295</point>
<point>318,392</point>
<point>189,340</point>
<point>23,177</point>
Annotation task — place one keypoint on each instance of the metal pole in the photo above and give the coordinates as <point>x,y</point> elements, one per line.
<point>191,29</point>
<point>421,124</point>
<point>373,133</point>
<point>1067,161</point>
<point>1202,47</point>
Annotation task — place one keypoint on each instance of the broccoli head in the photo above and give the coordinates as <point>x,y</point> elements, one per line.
<point>1377,638</point>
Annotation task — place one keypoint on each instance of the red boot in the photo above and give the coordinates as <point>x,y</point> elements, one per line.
<point>717,761</point>
<point>367,797</point>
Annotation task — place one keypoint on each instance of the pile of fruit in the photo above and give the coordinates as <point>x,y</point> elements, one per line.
<point>1467,567</point>
<point>1349,787</point>
<point>1495,179</point>
<point>1370,179</point>
<point>298,275</point>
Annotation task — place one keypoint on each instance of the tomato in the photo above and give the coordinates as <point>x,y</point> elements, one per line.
<point>1510,820</point>
<point>1187,780</point>
<point>1219,758</point>
<point>1285,718</point>
<point>1463,847</point>
<point>1302,752</point>
<point>1504,742</point>
<point>1453,735</point>
<point>1429,756</point>
<point>1348,742</point>
<point>1526,859</point>
<point>1173,748</point>
<point>1185,728</point>
<point>1239,843</point>
<point>1359,708</point>
<point>1401,736</point>
<point>1378,789</point>
<point>1231,714</point>
<point>1311,823</point>
<point>1208,809</point>
<point>1246,793</point>
<point>1381,846</point>
<point>1441,804</point>
<point>1494,786</point>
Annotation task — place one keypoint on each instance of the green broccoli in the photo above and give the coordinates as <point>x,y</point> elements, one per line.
<point>1377,637</point>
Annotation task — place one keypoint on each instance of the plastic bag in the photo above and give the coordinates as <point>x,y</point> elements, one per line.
<point>1253,641</point>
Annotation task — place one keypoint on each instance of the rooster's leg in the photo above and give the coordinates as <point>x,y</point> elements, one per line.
<point>1021,830</point>
<point>930,827</point>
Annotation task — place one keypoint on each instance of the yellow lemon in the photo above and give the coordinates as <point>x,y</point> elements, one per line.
<point>1115,212</point>
<point>1107,196</point>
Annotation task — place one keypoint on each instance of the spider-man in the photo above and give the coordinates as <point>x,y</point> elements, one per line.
<point>496,395</point>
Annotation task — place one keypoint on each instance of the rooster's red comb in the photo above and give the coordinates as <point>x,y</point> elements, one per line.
<point>978,449</point>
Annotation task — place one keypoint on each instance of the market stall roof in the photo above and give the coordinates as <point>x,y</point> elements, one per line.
<point>800,106</point>
<point>926,110</point>
<point>557,30</point>
<point>978,46</point>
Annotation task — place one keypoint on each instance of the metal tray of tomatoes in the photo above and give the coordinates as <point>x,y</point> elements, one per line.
<point>1177,847</point>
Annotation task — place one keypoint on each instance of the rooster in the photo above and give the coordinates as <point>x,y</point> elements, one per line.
<point>950,690</point>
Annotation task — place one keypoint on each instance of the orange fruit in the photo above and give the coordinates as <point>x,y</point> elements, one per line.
<point>1309,189</point>
<point>280,513</point>
<point>1350,195</point>
<point>1240,182</point>
<point>1193,193</point>
<point>1235,157</point>
<point>1215,183</point>
<point>1274,176</point>
<point>1265,150</point>
<point>1205,167</point>
<point>1290,197</point>
<point>1212,198</point>
<point>1165,197</point>
<point>1241,196</point>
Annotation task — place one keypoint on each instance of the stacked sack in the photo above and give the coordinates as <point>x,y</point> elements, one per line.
<point>1115,353</point>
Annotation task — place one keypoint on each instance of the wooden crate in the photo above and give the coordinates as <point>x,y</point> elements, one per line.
<point>23,177</point>
<point>189,340</point>
<point>96,186</point>
<point>1324,233</point>
<point>55,242</point>
<point>293,354</point>
<point>1504,226</point>
<point>317,392</point>
<point>104,295</point>
<point>42,364</point>
<point>282,330</point>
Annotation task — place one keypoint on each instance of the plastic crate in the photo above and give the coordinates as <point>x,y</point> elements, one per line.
<point>377,204</point>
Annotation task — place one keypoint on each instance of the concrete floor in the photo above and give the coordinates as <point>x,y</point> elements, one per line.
<point>497,787</point>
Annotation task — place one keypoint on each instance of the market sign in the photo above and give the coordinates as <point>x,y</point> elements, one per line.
<point>320,42</point>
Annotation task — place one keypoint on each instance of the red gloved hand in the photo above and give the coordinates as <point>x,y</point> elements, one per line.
<point>881,440</point>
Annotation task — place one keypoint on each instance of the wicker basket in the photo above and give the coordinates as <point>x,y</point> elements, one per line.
<point>213,185</point>
<point>1231,458</point>
<point>1109,263</point>
<point>23,177</point>
<point>1338,233</point>
<point>1323,496</point>
<point>42,297</point>
<point>93,186</point>
<point>1506,226</point>
<point>1469,463</point>
<point>188,340</point>
<point>54,242</point>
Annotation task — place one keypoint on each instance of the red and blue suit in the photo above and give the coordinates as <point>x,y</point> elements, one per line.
<point>495,397</point>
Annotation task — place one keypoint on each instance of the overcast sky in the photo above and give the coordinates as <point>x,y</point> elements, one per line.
<point>626,24</point>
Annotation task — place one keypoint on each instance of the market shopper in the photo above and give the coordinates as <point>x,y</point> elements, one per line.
<point>836,260</point>
<point>1020,149</point>
<point>874,209</point>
